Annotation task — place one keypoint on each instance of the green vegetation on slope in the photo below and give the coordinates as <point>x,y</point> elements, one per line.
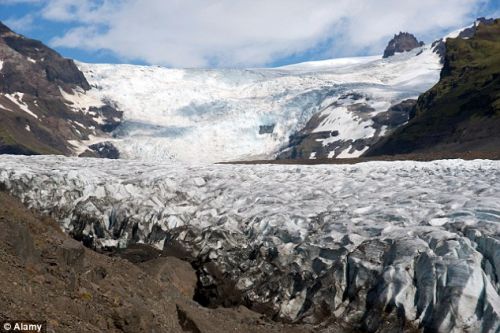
<point>16,139</point>
<point>462,112</point>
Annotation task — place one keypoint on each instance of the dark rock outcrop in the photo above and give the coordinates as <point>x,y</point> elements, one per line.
<point>439,47</point>
<point>266,129</point>
<point>396,116</point>
<point>103,150</point>
<point>29,64</point>
<point>58,69</point>
<point>402,42</point>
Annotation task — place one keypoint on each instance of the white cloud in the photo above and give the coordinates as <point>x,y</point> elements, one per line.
<point>197,33</point>
<point>21,24</point>
<point>85,11</point>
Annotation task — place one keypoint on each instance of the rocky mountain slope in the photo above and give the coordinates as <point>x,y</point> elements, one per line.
<point>383,246</point>
<point>462,112</point>
<point>38,90</point>
<point>47,276</point>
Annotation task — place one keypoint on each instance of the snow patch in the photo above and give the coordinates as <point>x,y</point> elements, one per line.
<point>5,108</point>
<point>81,100</point>
<point>355,153</point>
<point>82,145</point>
<point>78,123</point>
<point>17,98</point>
<point>347,123</point>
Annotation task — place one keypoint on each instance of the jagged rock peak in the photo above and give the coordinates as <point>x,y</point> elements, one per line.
<point>402,42</point>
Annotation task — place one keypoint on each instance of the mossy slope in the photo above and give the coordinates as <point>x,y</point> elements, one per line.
<point>462,112</point>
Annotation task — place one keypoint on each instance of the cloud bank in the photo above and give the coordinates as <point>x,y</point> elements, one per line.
<point>201,33</point>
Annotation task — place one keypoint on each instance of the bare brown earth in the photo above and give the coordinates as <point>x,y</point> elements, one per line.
<point>432,156</point>
<point>47,276</point>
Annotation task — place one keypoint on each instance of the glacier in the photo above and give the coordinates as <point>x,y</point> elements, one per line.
<point>410,244</point>
<point>212,115</point>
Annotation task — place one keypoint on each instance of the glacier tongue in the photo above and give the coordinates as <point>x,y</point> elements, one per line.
<point>379,244</point>
<point>218,115</point>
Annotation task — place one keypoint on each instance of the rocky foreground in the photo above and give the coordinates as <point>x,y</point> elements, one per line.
<point>377,247</point>
<point>47,276</point>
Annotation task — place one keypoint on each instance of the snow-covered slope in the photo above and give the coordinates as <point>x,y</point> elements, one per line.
<point>228,114</point>
<point>405,244</point>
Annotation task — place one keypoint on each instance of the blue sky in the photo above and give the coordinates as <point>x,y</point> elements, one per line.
<point>225,33</point>
<point>25,19</point>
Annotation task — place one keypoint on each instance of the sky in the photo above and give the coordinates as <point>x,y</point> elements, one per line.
<point>232,33</point>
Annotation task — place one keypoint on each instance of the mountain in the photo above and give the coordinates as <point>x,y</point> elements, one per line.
<point>462,112</point>
<point>402,42</point>
<point>38,90</point>
<point>331,108</point>
<point>324,109</point>
<point>335,108</point>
